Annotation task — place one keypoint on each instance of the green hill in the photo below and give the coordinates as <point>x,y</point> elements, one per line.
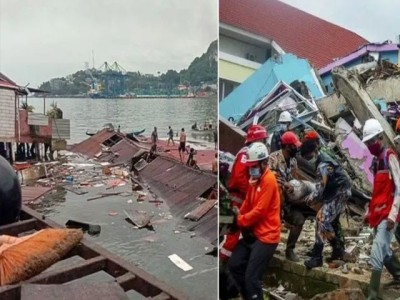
<point>114,81</point>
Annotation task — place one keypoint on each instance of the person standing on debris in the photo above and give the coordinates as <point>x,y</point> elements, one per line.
<point>182,144</point>
<point>170,136</point>
<point>259,220</point>
<point>239,183</point>
<point>331,195</point>
<point>283,164</point>
<point>383,211</point>
<point>338,243</point>
<point>154,136</point>
<point>283,125</point>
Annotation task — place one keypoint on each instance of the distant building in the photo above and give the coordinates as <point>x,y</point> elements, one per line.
<point>252,31</point>
<point>367,53</point>
<point>18,125</point>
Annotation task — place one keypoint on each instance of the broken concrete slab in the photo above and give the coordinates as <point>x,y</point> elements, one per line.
<point>347,84</point>
<point>341,294</point>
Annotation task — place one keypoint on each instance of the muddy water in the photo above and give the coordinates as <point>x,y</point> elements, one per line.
<point>147,249</point>
<point>134,114</point>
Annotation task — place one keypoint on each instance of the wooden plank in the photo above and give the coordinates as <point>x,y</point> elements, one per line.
<point>145,284</point>
<point>126,281</point>
<point>68,273</point>
<point>201,210</point>
<point>19,227</point>
<point>161,296</point>
<point>10,292</point>
<point>76,290</point>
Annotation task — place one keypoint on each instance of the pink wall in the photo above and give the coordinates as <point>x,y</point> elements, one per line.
<point>25,135</point>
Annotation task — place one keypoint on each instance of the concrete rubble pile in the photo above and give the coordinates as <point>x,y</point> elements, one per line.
<point>341,138</point>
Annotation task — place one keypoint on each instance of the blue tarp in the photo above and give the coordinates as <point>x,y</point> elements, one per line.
<point>288,69</point>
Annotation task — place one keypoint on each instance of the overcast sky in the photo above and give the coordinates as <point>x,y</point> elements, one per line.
<point>375,20</point>
<point>43,39</point>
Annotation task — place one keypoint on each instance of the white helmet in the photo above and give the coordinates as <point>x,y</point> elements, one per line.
<point>256,152</point>
<point>285,117</point>
<point>371,129</point>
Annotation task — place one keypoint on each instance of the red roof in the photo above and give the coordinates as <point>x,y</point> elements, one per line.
<point>294,30</point>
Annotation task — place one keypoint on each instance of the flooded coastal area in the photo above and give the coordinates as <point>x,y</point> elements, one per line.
<point>108,151</point>
<point>74,184</point>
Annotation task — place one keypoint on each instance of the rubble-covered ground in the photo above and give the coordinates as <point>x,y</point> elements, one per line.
<point>355,265</point>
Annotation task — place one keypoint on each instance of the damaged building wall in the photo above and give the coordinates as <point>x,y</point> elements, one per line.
<point>385,88</point>
<point>332,106</point>
<point>287,68</point>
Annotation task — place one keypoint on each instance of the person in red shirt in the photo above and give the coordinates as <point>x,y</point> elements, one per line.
<point>260,223</point>
<point>383,210</point>
<point>238,185</point>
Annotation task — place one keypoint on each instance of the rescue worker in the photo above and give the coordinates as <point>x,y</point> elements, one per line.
<point>383,208</point>
<point>283,163</point>
<point>239,183</point>
<point>332,192</point>
<point>237,188</point>
<point>283,125</point>
<point>10,194</point>
<point>259,220</point>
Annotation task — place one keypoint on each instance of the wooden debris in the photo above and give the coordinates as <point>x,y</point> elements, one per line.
<point>104,195</point>
<point>139,219</point>
<point>75,190</point>
<point>180,263</point>
<point>87,290</point>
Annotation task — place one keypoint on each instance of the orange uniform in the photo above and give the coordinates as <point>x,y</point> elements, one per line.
<point>398,125</point>
<point>260,211</point>
<point>239,181</point>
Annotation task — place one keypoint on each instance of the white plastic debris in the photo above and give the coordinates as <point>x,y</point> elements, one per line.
<point>180,263</point>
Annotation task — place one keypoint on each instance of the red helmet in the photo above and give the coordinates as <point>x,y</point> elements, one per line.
<point>311,135</point>
<point>290,138</point>
<point>256,133</point>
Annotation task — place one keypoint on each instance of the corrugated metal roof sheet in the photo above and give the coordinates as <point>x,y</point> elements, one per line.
<point>31,193</point>
<point>61,129</point>
<point>92,145</point>
<point>38,119</point>
<point>180,186</point>
<point>125,148</point>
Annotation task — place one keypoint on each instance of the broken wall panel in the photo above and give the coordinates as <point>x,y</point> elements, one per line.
<point>360,102</point>
<point>38,119</point>
<point>356,152</point>
<point>61,129</point>
<point>7,115</point>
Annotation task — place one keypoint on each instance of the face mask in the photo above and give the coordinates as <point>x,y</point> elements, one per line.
<point>255,172</point>
<point>375,148</point>
<point>282,127</point>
